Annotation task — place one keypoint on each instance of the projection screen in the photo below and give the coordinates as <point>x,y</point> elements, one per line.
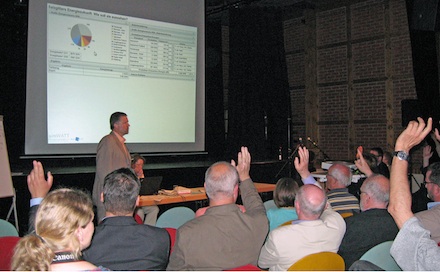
<point>88,59</point>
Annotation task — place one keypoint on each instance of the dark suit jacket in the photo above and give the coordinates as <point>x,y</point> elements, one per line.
<point>364,231</point>
<point>119,243</point>
<point>382,168</point>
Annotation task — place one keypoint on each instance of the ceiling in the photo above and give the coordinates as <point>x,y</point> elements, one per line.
<point>216,8</point>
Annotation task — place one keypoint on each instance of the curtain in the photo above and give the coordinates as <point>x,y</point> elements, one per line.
<point>258,102</point>
<point>215,127</point>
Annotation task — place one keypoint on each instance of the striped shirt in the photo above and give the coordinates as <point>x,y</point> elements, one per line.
<point>342,201</point>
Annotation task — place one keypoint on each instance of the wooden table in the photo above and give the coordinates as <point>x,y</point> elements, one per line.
<point>196,194</point>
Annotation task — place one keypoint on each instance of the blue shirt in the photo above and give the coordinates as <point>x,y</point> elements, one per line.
<point>432,204</point>
<point>279,216</point>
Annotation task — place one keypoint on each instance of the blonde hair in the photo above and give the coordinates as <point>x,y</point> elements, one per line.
<point>58,217</point>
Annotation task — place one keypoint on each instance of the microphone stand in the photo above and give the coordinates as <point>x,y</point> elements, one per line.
<point>289,160</point>
<point>326,157</point>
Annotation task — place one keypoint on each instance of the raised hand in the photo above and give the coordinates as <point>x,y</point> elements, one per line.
<point>362,164</point>
<point>414,133</point>
<point>37,184</point>
<point>302,162</point>
<point>243,164</point>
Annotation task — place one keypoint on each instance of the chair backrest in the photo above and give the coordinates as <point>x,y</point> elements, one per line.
<point>286,223</point>
<point>319,261</point>
<point>380,256</point>
<point>346,214</point>
<point>269,204</point>
<point>7,229</point>
<point>175,217</point>
<point>7,244</point>
<point>172,233</point>
<point>138,219</point>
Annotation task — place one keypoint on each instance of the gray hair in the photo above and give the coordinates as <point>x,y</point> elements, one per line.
<point>341,175</point>
<point>220,178</point>
<point>121,189</point>
<point>307,207</point>
<point>375,189</point>
<point>435,172</point>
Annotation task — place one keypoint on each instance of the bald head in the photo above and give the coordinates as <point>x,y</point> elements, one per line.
<point>375,193</point>
<point>338,176</point>
<point>310,202</point>
<point>221,180</point>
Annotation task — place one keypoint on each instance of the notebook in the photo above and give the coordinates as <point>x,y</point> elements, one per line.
<point>150,185</point>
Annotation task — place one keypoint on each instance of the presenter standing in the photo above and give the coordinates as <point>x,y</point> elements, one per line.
<point>111,155</point>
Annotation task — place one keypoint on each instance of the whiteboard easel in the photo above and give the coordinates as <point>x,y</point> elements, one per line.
<point>7,188</point>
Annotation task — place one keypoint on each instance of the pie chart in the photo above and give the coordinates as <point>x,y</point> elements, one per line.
<point>81,35</point>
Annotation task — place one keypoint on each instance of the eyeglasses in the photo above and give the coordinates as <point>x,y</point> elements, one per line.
<point>429,182</point>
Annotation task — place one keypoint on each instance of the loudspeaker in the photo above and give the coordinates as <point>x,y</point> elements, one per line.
<point>424,15</point>
<point>411,109</point>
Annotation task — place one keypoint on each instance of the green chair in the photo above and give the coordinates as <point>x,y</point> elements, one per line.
<point>175,217</point>
<point>380,256</point>
<point>322,261</point>
<point>7,229</point>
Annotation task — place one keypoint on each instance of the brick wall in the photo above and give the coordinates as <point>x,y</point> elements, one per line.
<point>363,71</point>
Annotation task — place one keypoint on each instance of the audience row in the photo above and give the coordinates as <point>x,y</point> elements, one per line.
<point>308,219</point>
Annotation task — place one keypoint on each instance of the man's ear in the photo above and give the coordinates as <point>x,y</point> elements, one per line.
<point>297,206</point>
<point>437,191</point>
<point>102,197</point>
<point>137,201</point>
<point>236,191</point>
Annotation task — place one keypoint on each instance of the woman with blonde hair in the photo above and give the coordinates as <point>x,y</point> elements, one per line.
<point>63,228</point>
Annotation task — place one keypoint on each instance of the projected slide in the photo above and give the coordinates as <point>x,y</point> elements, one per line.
<point>98,63</point>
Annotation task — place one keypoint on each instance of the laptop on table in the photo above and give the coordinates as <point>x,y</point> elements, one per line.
<point>150,185</point>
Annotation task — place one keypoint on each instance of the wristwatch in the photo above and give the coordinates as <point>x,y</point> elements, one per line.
<point>401,155</point>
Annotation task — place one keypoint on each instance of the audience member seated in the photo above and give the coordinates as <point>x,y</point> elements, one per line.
<point>368,165</point>
<point>420,198</point>
<point>63,227</point>
<point>284,197</point>
<point>317,229</point>
<point>338,178</point>
<point>119,242</point>
<point>381,167</point>
<point>224,237</point>
<point>387,159</point>
<point>430,218</point>
<point>413,249</point>
<point>147,213</point>
<point>373,225</point>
